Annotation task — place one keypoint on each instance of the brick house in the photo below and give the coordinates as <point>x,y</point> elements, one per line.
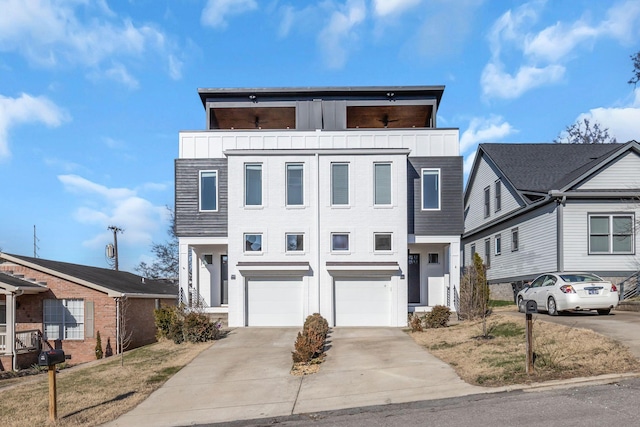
<point>50,304</point>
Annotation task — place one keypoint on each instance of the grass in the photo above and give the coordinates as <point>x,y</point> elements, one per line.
<point>95,393</point>
<point>561,352</point>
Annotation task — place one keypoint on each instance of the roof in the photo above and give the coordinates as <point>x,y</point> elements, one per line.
<point>114,283</point>
<point>15,283</point>
<point>545,167</point>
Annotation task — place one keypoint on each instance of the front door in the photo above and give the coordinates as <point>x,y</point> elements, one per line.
<point>224,280</point>
<point>414,278</point>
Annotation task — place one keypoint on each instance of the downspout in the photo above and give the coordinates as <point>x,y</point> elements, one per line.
<point>560,233</point>
<point>118,349</point>
<point>12,343</point>
<point>318,231</point>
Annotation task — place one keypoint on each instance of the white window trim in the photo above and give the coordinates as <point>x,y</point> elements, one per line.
<point>262,243</point>
<point>383,205</point>
<point>200,190</point>
<point>486,201</point>
<point>382,251</point>
<point>81,325</point>
<point>262,186</point>
<point>422,171</point>
<point>487,253</point>
<point>349,195</point>
<point>286,184</point>
<point>497,250</point>
<point>304,243</point>
<point>497,196</point>
<point>610,236</point>
<point>349,243</point>
<point>516,247</point>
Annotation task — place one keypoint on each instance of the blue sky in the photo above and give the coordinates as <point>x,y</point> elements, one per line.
<point>94,93</point>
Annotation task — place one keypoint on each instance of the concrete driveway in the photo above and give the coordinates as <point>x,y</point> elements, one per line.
<point>246,376</point>
<point>622,326</point>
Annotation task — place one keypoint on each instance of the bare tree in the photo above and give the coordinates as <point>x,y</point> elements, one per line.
<point>474,293</point>
<point>636,69</point>
<point>166,264</point>
<point>125,331</point>
<point>583,132</point>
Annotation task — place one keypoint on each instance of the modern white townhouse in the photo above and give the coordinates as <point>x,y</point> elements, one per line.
<point>346,201</point>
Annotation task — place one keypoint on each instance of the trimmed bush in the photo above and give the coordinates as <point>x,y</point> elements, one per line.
<point>438,317</point>
<point>99,353</point>
<point>165,318</point>
<point>310,342</point>
<point>179,325</point>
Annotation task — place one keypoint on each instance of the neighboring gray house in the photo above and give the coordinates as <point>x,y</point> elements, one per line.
<point>534,208</point>
<point>342,201</point>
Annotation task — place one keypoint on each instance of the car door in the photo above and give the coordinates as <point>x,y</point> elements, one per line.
<point>546,288</point>
<point>534,288</point>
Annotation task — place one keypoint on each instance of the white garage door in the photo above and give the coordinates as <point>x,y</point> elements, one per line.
<point>274,302</point>
<point>362,302</point>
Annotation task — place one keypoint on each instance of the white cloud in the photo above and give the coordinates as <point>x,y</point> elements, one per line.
<point>52,33</point>
<point>215,12</point>
<point>120,74</point>
<point>389,7</point>
<point>339,34</point>
<point>102,206</point>
<point>543,53</point>
<point>26,109</point>
<point>484,130</point>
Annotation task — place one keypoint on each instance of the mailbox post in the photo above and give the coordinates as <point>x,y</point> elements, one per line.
<point>50,358</point>
<point>530,307</point>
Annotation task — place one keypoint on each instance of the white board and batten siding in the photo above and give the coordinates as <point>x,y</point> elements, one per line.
<point>486,176</point>
<point>537,247</point>
<point>623,174</point>
<point>576,237</point>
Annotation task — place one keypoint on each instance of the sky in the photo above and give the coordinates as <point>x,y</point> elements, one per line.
<point>93,94</point>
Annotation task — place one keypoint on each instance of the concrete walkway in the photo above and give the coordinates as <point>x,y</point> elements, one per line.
<point>246,376</point>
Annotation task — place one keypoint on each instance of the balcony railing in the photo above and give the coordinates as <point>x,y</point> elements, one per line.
<point>3,342</point>
<point>27,341</point>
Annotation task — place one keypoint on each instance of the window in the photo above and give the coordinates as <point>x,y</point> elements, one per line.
<point>431,189</point>
<point>295,242</point>
<point>382,241</point>
<point>340,183</point>
<point>208,190</point>
<point>207,259</point>
<point>473,252</point>
<point>295,192</point>
<point>498,247</point>
<point>433,258</point>
<point>253,242</point>
<point>253,185</point>
<point>498,196</point>
<point>514,240</point>
<point>487,202</point>
<point>339,242</point>
<point>64,319</point>
<point>487,252</point>
<point>611,234</point>
<point>382,179</point>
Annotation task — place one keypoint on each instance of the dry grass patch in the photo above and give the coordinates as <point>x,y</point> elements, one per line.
<point>561,352</point>
<point>94,395</point>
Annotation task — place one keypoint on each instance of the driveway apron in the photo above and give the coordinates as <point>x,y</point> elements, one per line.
<point>247,376</point>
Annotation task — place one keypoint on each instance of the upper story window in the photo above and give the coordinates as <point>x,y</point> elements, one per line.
<point>382,183</point>
<point>339,183</point>
<point>295,242</point>
<point>208,190</point>
<point>253,242</point>
<point>611,234</point>
<point>487,202</point>
<point>430,189</point>
<point>382,242</point>
<point>339,242</point>
<point>295,189</point>
<point>64,319</point>
<point>498,196</point>
<point>514,240</point>
<point>253,185</point>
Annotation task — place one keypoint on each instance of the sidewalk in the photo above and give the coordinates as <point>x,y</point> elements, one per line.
<point>246,376</point>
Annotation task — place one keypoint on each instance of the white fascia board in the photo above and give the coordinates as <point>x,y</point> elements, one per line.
<point>194,241</point>
<point>321,152</point>
<point>412,238</point>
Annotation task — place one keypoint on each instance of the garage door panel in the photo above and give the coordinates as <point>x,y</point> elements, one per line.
<point>274,302</point>
<point>362,302</point>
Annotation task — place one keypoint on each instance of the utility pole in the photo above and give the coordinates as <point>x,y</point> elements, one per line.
<point>115,230</point>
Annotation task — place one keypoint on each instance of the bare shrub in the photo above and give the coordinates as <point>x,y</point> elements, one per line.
<point>438,317</point>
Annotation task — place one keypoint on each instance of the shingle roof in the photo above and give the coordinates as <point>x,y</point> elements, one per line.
<point>118,281</point>
<point>544,167</point>
<point>17,281</point>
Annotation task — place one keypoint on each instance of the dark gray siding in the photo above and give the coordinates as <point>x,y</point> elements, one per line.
<point>449,219</point>
<point>190,222</point>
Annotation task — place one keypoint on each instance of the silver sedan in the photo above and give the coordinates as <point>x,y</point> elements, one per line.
<point>556,292</point>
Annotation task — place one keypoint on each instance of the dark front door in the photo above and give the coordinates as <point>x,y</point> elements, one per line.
<point>224,280</point>
<point>414,278</point>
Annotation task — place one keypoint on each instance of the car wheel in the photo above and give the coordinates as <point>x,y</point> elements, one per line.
<point>520,305</point>
<point>604,312</point>
<point>551,307</point>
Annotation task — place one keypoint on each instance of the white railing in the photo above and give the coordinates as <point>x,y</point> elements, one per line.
<point>3,342</point>
<point>27,341</point>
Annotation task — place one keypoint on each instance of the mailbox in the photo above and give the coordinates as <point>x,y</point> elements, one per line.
<point>51,357</point>
<point>530,306</point>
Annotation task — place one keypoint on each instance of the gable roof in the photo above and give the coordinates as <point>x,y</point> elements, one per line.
<point>114,283</point>
<point>13,283</point>
<point>544,167</point>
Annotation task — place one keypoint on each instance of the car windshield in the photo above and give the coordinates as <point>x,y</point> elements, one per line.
<point>582,277</point>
